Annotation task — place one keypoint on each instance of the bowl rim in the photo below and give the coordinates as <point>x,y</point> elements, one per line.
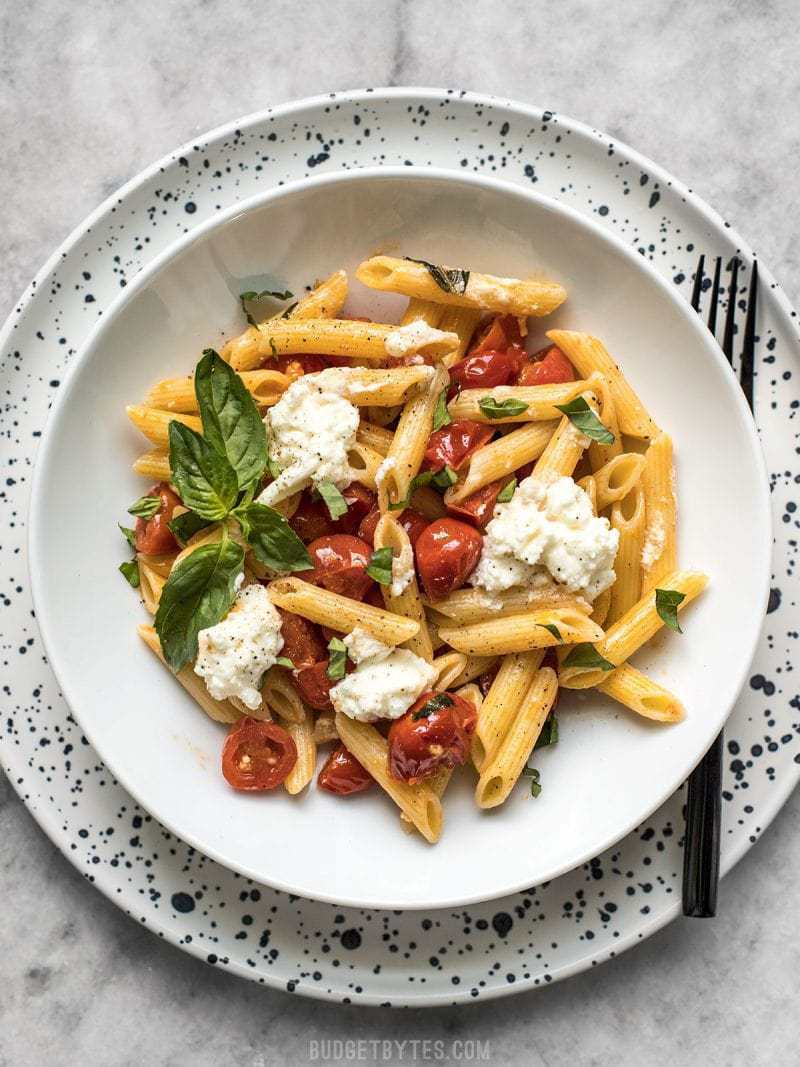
<point>253,203</point>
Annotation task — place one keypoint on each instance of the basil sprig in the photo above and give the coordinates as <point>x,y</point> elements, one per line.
<point>507,492</point>
<point>337,658</point>
<point>145,507</point>
<point>128,534</point>
<point>436,703</point>
<point>334,501</point>
<point>450,280</point>
<point>198,594</point>
<point>549,734</point>
<point>667,601</point>
<point>441,416</point>
<point>551,629</point>
<point>273,541</point>
<point>584,419</point>
<point>380,565</point>
<point>130,571</point>
<point>442,480</point>
<point>586,655</point>
<point>493,408</point>
<point>252,297</point>
<point>186,525</point>
<point>232,425</point>
<point>205,480</point>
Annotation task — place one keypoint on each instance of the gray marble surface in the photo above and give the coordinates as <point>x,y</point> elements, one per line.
<point>94,92</point>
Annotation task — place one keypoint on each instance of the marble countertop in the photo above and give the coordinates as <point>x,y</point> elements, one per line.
<point>93,93</point>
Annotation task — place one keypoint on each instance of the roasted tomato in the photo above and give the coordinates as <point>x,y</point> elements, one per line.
<point>342,774</point>
<point>340,564</point>
<point>500,334</point>
<point>314,685</point>
<point>453,444</point>
<point>153,536</point>
<point>487,369</point>
<point>302,643</point>
<point>478,508</point>
<point>547,367</point>
<point>312,518</point>
<point>412,521</point>
<point>257,755</point>
<point>430,736</point>
<point>297,366</point>
<point>447,552</point>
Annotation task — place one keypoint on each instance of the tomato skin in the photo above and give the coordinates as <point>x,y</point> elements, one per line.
<point>487,369</point>
<point>418,748</point>
<point>312,518</point>
<point>343,775</point>
<point>314,686</point>
<point>453,444</point>
<point>546,367</point>
<point>447,552</point>
<point>152,536</point>
<point>478,508</point>
<point>302,643</point>
<point>501,333</point>
<point>257,755</point>
<point>412,521</point>
<point>340,564</point>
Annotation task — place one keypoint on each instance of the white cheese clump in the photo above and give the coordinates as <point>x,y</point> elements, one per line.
<point>385,683</point>
<point>408,339</point>
<point>547,527</point>
<point>310,431</point>
<point>233,655</point>
<point>402,570</point>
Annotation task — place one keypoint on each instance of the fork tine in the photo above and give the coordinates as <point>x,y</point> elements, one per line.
<point>747,369</point>
<point>698,283</point>
<point>712,311</point>
<point>730,317</point>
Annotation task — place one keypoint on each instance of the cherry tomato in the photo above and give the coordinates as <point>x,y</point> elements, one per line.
<point>453,444</point>
<point>547,367</point>
<point>500,334</point>
<point>257,755</point>
<point>418,746</point>
<point>340,564</point>
<point>297,366</point>
<point>302,643</point>
<point>312,518</point>
<point>314,685</point>
<point>412,521</point>
<point>478,508</point>
<point>153,536</point>
<point>487,369</point>
<point>447,553</point>
<point>342,774</point>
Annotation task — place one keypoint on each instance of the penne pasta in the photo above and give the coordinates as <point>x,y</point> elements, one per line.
<point>641,694</point>
<point>461,321</point>
<point>401,595</point>
<point>375,437</point>
<point>302,733</point>
<point>450,666</point>
<point>339,612</point>
<point>474,667</point>
<point>616,479</point>
<point>154,424</point>
<point>153,465</point>
<point>218,710</point>
<point>562,453</point>
<point>501,458</point>
<point>600,454</point>
<point>150,585</point>
<point>177,394</point>
<point>539,400</point>
<point>517,633</point>
<point>628,517</point>
<point>473,605</point>
<point>280,696</point>
<point>325,728</point>
<point>502,702</point>
<point>659,548</point>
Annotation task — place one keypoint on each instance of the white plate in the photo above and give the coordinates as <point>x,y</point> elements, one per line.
<point>610,770</point>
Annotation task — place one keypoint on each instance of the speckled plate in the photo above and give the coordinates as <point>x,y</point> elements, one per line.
<point>547,932</point>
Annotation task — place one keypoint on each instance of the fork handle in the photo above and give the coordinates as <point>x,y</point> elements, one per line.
<point>701,847</point>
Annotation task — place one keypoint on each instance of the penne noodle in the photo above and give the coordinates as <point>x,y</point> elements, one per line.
<point>563,451</point>
<point>280,696</point>
<point>177,394</point>
<point>659,548</point>
<point>150,585</point>
<point>154,424</point>
<point>474,668</point>
<point>325,728</point>
<point>589,486</point>
<point>472,693</point>
<point>365,464</point>
<point>339,612</point>
<point>502,702</point>
<point>600,454</point>
<point>450,666</point>
<point>616,479</point>
<point>384,387</point>
<point>628,517</point>
<point>473,605</point>
<point>501,458</point>
<point>540,401</point>
<point>462,321</point>
<point>518,633</point>
<point>424,311</point>
<point>154,465</point>
<point>642,695</point>
<point>601,607</point>
<point>375,437</point>
<point>401,596</point>
<point>302,733</point>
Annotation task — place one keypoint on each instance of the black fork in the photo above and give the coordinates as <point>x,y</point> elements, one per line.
<point>704,792</point>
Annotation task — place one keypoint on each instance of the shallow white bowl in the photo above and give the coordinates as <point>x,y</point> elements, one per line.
<point>610,769</point>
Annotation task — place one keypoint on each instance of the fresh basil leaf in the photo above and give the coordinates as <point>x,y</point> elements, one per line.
<point>199,593</point>
<point>205,480</point>
<point>129,534</point>
<point>284,661</point>
<point>551,629</point>
<point>251,297</point>
<point>423,478</point>
<point>436,703</point>
<point>145,507</point>
<point>334,501</point>
<point>130,571</point>
<point>273,541</point>
<point>273,347</point>
<point>448,279</point>
<point>667,601</point>
<point>507,492</point>
<point>586,655</point>
<point>584,419</point>
<point>186,525</point>
<point>444,478</point>
<point>441,416</point>
<point>337,658</point>
<point>285,314</point>
<point>549,734</point>
<point>533,774</point>
<point>380,565</point>
<point>501,409</point>
<point>231,422</point>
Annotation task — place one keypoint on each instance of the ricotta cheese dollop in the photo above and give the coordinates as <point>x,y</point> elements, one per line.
<point>233,655</point>
<point>547,527</point>
<point>385,683</point>
<point>408,339</point>
<point>310,431</point>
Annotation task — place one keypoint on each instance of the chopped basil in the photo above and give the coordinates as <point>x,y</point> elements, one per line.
<point>273,347</point>
<point>334,501</point>
<point>436,703</point>
<point>205,480</point>
<point>186,525</point>
<point>423,478</point>
<point>584,419</point>
<point>251,297</point>
<point>198,593</point>
<point>130,571</point>
<point>507,492</point>
<point>285,314</point>
<point>337,661</point>
<point>273,541</point>
<point>586,655</point>
<point>533,774</point>
<point>667,601</point>
<point>551,629</point>
<point>501,409</point>
<point>450,280</point>
<point>284,661</point>
<point>441,416</point>
<point>549,734</point>
<point>380,566</point>
<point>145,507</point>
<point>129,534</point>
<point>444,478</point>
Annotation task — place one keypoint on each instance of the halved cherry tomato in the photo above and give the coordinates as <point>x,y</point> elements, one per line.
<point>412,521</point>
<point>257,755</point>
<point>546,367</point>
<point>342,774</point>
<point>453,444</point>
<point>447,553</point>
<point>340,564</point>
<point>314,685</point>
<point>153,536</point>
<point>420,743</point>
<point>478,508</point>
<point>302,643</point>
<point>487,369</point>
<point>499,335</point>
<point>296,366</point>
<point>312,518</point>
